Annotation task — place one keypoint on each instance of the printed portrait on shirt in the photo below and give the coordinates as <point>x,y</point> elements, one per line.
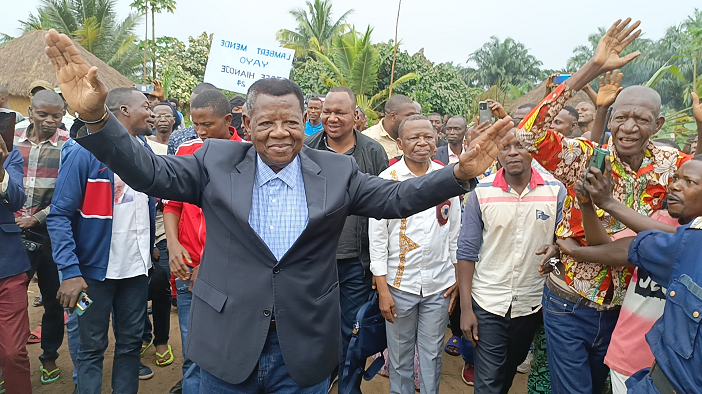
<point>123,193</point>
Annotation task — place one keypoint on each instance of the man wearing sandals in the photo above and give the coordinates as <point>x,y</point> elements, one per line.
<point>103,234</point>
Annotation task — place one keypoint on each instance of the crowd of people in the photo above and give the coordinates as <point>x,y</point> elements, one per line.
<point>558,241</point>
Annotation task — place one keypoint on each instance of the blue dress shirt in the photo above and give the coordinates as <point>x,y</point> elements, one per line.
<point>278,206</point>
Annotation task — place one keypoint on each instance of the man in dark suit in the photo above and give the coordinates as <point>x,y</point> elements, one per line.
<point>14,263</point>
<point>455,133</point>
<point>274,210</point>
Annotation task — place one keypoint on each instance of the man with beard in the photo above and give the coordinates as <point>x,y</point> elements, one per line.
<point>397,108</point>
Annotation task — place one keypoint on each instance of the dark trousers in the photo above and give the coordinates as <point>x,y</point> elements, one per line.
<point>160,296</point>
<point>125,299</point>
<point>577,338</point>
<point>455,319</point>
<point>14,331</point>
<point>354,288</point>
<point>503,345</point>
<point>53,320</point>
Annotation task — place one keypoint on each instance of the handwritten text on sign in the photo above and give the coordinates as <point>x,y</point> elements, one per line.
<point>235,65</point>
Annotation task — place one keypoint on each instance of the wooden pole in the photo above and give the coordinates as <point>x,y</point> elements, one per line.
<point>146,35</point>
<point>394,52</point>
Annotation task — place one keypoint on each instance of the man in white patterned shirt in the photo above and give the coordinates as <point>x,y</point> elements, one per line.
<point>413,261</point>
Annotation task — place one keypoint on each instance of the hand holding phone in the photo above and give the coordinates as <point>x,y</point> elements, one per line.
<point>83,303</point>
<point>485,112</point>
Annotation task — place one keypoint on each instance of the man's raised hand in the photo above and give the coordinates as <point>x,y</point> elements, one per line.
<point>610,87</point>
<point>80,85</point>
<point>483,150</point>
<point>611,45</point>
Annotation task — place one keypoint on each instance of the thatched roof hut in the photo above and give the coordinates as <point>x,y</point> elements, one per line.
<point>538,93</point>
<point>23,61</point>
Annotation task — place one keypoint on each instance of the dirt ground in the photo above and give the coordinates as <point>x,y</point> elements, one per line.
<point>164,378</point>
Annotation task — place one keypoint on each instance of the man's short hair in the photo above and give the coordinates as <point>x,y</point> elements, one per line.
<point>667,142</point>
<point>118,97</point>
<point>572,111</point>
<point>395,102</point>
<point>411,118</point>
<point>47,97</point>
<point>4,92</point>
<point>697,157</point>
<point>528,105</point>
<point>214,100</point>
<point>314,98</point>
<point>344,89</point>
<point>237,101</point>
<point>361,111</point>
<point>434,114</point>
<point>465,122</point>
<point>174,101</point>
<point>274,87</point>
<point>203,87</point>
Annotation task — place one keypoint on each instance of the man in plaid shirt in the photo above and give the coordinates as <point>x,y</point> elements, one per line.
<point>40,145</point>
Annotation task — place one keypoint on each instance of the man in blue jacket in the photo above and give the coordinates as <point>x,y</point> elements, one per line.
<point>14,319</point>
<point>102,232</point>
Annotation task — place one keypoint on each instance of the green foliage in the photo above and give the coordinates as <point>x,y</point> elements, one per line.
<point>439,88</point>
<point>315,30</point>
<point>181,68</point>
<point>310,76</point>
<point>94,25</point>
<point>671,64</point>
<point>503,63</point>
<point>678,126</point>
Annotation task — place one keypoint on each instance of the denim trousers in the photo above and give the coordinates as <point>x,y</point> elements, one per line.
<point>191,372</point>
<point>354,288</point>
<point>160,296</point>
<point>124,299</point>
<point>270,376</point>
<point>73,337</point>
<point>577,338</point>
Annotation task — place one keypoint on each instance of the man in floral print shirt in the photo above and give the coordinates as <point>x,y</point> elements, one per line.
<point>581,304</point>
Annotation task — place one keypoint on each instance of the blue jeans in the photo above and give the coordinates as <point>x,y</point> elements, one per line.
<point>354,289</point>
<point>73,342</point>
<point>270,376</point>
<point>191,372</point>
<point>577,338</point>
<point>125,300</point>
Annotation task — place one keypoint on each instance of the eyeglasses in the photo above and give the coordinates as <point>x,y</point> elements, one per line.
<point>168,117</point>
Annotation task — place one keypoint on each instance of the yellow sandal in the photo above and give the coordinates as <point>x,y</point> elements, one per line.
<point>161,356</point>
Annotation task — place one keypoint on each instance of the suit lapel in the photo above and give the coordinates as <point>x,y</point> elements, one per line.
<point>242,193</point>
<point>315,188</point>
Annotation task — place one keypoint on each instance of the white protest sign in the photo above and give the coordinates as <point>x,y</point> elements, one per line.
<point>235,65</point>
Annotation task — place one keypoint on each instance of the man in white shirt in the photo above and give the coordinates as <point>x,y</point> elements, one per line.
<point>507,219</point>
<point>413,262</point>
<point>102,232</point>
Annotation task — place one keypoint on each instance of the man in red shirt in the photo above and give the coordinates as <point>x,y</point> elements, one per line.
<point>185,223</point>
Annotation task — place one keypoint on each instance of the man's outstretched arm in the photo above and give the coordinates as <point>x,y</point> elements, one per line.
<point>174,178</point>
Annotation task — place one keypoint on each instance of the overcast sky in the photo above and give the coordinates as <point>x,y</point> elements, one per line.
<point>448,30</point>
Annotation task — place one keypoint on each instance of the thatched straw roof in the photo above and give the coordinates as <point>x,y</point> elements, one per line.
<point>538,93</point>
<point>23,61</point>
<point>495,93</point>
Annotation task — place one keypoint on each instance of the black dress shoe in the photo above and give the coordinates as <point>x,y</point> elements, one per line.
<point>178,388</point>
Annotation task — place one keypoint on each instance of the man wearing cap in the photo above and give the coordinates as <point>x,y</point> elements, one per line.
<point>237,104</point>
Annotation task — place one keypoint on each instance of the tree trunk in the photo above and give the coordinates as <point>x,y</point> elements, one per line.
<point>394,51</point>
<point>146,36</point>
<point>153,41</point>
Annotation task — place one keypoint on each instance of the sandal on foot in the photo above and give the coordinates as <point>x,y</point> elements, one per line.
<point>48,374</point>
<point>35,336</point>
<point>146,347</point>
<point>453,342</point>
<point>162,356</point>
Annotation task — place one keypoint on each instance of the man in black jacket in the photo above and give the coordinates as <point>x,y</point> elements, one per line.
<point>352,256</point>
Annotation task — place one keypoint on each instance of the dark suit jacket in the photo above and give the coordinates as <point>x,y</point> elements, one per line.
<point>13,256</point>
<point>239,281</point>
<point>442,154</point>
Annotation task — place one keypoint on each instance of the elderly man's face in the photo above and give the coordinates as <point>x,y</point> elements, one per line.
<point>634,120</point>
<point>277,129</point>
<point>418,141</point>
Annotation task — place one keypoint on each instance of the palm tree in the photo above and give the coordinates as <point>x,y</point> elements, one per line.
<point>314,23</point>
<point>156,7</point>
<point>354,62</point>
<point>504,63</point>
<point>94,25</point>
